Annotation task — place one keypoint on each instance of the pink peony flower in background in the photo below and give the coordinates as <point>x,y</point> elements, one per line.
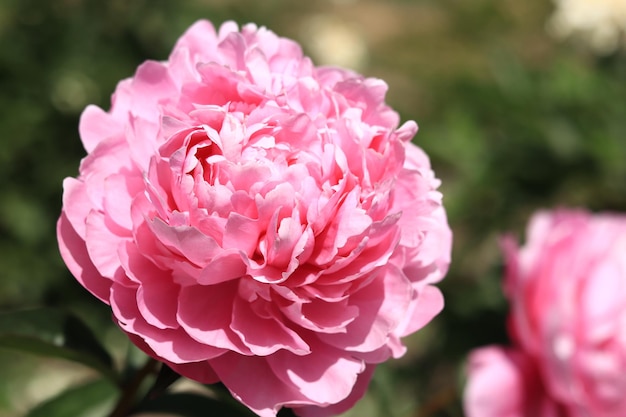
<point>505,382</point>
<point>567,289</point>
<point>255,220</point>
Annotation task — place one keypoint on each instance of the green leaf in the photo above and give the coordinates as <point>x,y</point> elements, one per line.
<point>54,333</point>
<point>94,398</point>
<point>193,405</point>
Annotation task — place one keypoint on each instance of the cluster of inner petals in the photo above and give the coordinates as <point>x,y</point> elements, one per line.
<point>273,193</point>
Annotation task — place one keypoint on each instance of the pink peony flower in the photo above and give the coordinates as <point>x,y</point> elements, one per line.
<point>505,383</point>
<point>567,289</point>
<point>255,220</point>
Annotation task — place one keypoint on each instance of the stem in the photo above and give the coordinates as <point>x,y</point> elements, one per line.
<point>129,391</point>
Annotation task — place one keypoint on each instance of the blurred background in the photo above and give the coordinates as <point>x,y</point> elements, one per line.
<point>521,106</point>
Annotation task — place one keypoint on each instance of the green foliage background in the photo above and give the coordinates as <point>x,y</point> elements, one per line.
<point>513,121</point>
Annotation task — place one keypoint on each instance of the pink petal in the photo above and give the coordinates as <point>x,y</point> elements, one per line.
<point>258,68</point>
<point>405,133</point>
<point>224,267</point>
<point>200,40</point>
<point>603,297</point>
<point>198,371</point>
<point>186,241</point>
<point>504,383</point>
<point>281,241</point>
<point>96,125</point>
<point>363,259</point>
<point>426,304</point>
<point>110,156</point>
<point>173,345</point>
<point>151,84</point>
<point>382,305</point>
<point>103,245</point>
<point>142,136</point>
<point>74,253</point>
<point>264,336</point>
<point>359,389</point>
<point>252,381</point>
<point>325,376</point>
<point>205,312</point>
<point>76,204</point>
<point>139,268</point>
<point>158,303</point>
<point>219,88</point>
<point>322,316</point>
<point>495,387</point>
<point>232,48</point>
<point>119,191</point>
<point>349,222</point>
<point>242,233</point>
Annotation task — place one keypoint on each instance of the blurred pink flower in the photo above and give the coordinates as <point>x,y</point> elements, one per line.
<point>567,289</point>
<point>505,383</point>
<point>255,220</point>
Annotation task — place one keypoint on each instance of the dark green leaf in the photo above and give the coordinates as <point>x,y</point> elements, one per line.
<point>93,398</point>
<point>194,405</point>
<point>54,333</point>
